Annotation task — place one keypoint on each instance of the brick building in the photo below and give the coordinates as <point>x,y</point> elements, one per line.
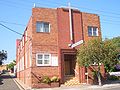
<point>49,43</point>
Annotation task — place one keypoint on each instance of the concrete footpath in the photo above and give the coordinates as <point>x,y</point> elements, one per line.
<point>77,87</point>
<point>113,84</point>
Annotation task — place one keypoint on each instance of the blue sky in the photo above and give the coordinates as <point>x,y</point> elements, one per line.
<point>16,13</point>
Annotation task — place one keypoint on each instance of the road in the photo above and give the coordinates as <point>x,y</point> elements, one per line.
<point>115,88</point>
<point>7,83</point>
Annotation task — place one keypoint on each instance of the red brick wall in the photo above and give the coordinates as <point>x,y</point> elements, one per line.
<point>44,42</point>
<point>17,52</point>
<point>28,75</point>
<point>57,39</point>
<point>39,72</point>
<point>64,28</point>
<point>23,75</point>
<point>80,23</point>
<point>90,20</point>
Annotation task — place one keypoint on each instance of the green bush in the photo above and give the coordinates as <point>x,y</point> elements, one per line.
<point>46,80</point>
<point>113,78</point>
<point>55,79</point>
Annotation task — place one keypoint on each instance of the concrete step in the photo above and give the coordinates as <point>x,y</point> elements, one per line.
<point>72,81</point>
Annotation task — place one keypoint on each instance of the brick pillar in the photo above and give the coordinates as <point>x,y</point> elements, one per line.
<point>77,72</point>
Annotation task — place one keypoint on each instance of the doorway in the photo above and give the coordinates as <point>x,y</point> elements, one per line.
<point>69,65</point>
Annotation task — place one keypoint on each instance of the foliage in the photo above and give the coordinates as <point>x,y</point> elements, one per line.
<point>11,65</point>
<point>3,56</point>
<point>113,77</point>
<point>94,73</point>
<point>46,80</point>
<point>110,68</point>
<point>55,79</point>
<point>115,42</point>
<point>97,51</point>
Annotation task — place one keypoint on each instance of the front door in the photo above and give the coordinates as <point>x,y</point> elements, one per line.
<point>69,64</point>
<point>67,67</point>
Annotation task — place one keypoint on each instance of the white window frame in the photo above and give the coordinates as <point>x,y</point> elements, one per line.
<point>42,26</point>
<point>92,31</point>
<point>43,54</point>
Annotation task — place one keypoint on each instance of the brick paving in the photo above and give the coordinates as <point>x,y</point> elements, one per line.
<point>7,83</point>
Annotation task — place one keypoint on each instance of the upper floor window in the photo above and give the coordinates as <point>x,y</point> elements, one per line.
<point>42,27</point>
<point>92,31</point>
<point>43,59</point>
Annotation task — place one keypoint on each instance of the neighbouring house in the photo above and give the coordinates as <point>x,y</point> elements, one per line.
<point>49,44</point>
<point>3,67</point>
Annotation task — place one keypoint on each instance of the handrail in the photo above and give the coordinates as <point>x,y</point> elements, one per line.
<point>36,77</point>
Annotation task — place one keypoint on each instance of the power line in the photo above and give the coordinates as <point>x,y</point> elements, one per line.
<point>14,31</point>
<point>111,21</point>
<point>56,3</point>
<point>9,4</point>
<point>10,29</point>
<point>13,23</point>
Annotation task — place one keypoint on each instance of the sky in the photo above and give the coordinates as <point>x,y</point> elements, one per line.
<point>15,14</point>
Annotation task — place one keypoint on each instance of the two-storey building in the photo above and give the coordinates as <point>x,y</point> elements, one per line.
<point>50,41</point>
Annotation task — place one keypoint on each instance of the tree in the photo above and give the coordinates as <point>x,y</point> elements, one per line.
<point>99,52</point>
<point>11,65</point>
<point>3,56</point>
<point>115,41</point>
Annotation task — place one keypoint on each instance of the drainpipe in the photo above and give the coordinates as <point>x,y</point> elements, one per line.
<point>70,19</point>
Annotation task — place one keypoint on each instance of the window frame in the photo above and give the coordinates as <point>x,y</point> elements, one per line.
<point>92,34</point>
<point>43,59</point>
<point>42,31</point>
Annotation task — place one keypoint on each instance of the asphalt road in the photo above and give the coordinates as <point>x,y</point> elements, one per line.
<point>7,83</point>
<point>115,88</point>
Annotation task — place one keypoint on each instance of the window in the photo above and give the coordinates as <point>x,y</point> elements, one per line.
<point>43,59</point>
<point>42,27</point>
<point>92,31</point>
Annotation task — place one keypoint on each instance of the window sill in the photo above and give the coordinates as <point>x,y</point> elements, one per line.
<point>93,36</point>
<point>44,32</point>
<point>43,65</point>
